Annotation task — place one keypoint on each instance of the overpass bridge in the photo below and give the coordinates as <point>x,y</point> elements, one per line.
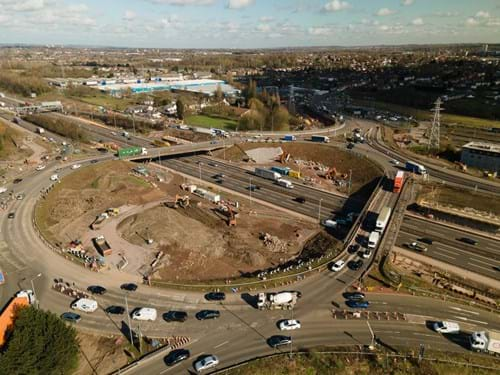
<point>158,152</point>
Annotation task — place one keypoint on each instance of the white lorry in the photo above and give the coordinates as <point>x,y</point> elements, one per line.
<point>277,301</point>
<point>285,183</point>
<point>373,240</point>
<point>485,341</point>
<point>383,219</point>
<point>267,173</point>
<point>40,130</point>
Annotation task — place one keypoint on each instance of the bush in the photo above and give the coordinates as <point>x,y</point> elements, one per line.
<point>59,126</point>
<point>23,84</point>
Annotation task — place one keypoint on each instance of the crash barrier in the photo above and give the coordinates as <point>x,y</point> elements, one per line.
<point>368,315</point>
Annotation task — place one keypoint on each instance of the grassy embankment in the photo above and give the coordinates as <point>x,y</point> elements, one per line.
<point>205,121</point>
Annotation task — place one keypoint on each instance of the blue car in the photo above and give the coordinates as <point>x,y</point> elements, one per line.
<point>357,304</point>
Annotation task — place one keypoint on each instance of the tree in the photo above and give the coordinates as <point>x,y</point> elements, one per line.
<point>180,109</point>
<point>40,344</point>
<point>251,91</point>
<point>219,94</point>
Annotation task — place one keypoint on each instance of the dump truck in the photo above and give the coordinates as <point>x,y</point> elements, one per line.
<point>99,221</point>
<point>102,245</point>
<point>277,301</point>
<point>320,138</point>
<point>398,182</point>
<point>266,173</point>
<point>131,151</point>
<point>485,341</point>
<point>22,299</point>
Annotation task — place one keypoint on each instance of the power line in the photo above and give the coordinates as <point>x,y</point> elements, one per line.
<point>436,126</point>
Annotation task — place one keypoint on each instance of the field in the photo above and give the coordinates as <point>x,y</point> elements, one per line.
<point>211,122</point>
<point>10,142</point>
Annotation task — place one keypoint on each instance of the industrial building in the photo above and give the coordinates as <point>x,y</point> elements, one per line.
<point>484,156</point>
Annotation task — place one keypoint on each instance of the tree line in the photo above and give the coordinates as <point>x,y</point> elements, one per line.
<point>59,126</point>
<point>23,84</point>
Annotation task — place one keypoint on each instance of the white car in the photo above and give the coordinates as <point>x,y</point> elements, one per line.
<point>206,363</point>
<point>41,167</point>
<point>75,166</point>
<point>3,190</point>
<point>367,254</point>
<point>446,327</point>
<point>337,266</point>
<point>145,313</point>
<point>289,325</point>
<point>54,177</point>
<point>395,162</point>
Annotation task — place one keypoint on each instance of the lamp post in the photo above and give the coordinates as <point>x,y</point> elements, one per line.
<point>319,209</point>
<point>33,288</point>
<point>128,318</point>
<point>199,168</point>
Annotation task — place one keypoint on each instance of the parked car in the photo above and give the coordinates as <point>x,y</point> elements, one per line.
<point>354,248</point>
<point>130,287</point>
<point>355,296</point>
<point>353,304</point>
<point>17,180</point>
<point>337,266</point>
<point>176,356</point>
<point>301,199</point>
<point>71,317</point>
<point>144,313</point>
<point>54,177</point>
<point>355,264</point>
<point>115,310</point>
<point>175,316</point>
<point>96,289</point>
<point>279,340</point>
<point>468,240</point>
<point>11,215</point>
<point>367,253</point>
<point>446,327</point>
<point>20,196</point>
<point>289,324</point>
<point>215,296</point>
<point>206,363</point>
<point>207,314</point>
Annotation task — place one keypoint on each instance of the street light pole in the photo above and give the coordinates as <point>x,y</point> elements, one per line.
<point>319,209</point>
<point>129,325</point>
<point>199,167</point>
<point>33,288</point>
<point>250,192</point>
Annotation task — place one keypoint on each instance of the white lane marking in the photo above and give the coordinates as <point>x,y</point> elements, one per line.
<point>423,334</point>
<point>471,320</point>
<point>222,344</point>
<point>478,266</point>
<point>444,255</point>
<point>481,261</point>
<point>463,310</point>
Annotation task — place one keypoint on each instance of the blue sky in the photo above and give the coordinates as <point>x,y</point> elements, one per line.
<point>248,23</point>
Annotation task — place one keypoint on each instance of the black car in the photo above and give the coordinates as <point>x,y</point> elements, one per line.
<point>11,215</point>
<point>116,310</point>
<point>207,314</point>
<point>279,340</point>
<point>131,287</point>
<point>426,240</point>
<point>355,296</point>
<point>17,180</point>
<point>94,161</point>
<point>253,187</point>
<point>71,317</point>
<point>215,296</point>
<point>175,316</point>
<point>355,264</point>
<point>468,240</point>
<point>350,146</point>
<point>353,248</point>
<point>300,199</point>
<point>176,356</point>
<point>96,289</point>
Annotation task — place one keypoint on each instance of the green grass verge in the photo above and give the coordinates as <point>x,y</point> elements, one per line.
<point>211,122</point>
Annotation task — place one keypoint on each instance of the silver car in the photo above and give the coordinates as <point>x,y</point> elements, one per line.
<point>206,363</point>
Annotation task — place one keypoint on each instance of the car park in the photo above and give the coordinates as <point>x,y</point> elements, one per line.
<point>176,356</point>
<point>71,317</point>
<point>355,264</point>
<point>206,363</point>
<point>354,248</point>
<point>215,296</point>
<point>96,289</point>
<point>144,313</point>
<point>175,316</point>
<point>446,327</point>
<point>279,340</point>
<point>115,310</point>
<point>207,314</point>
<point>355,296</point>
<point>130,287</point>
<point>337,266</point>
<point>468,240</point>
<point>357,304</point>
<point>289,325</point>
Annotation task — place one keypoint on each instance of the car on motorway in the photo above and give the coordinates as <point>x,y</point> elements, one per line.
<point>175,316</point>
<point>426,240</point>
<point>355,264</point>
<point>206,363</point>
<point>354,248</point>
<point>113,133</point>
<point>337,266</point>
<point>212,164</point>
<point>218,176</point>
<point>350,146</point>
<point>130,287</point>
<point>253,187</point>
<point>71,317</point>
<point>279,340</point>
<point>354,296</point>
<point>207,314</point>
<point>20,196</point>
<point>176,356</point>
<point>289,325</point>
<point>215,296</point>
<point>115,310</point>
<point>96,289</point>
<point>76,166</point>
<point>94,161</point>
<point>416,246</point>
<point>446,327</point>
<point>496,268</point>
<point>11,215</point>
<point>300,199</point>
<point>468,240</point>
<point>353,304</point>
<point>367,253</point>
<point>54,177</point>
<point>17,180</point>
<point>395,162</point>
<point>41,167</point>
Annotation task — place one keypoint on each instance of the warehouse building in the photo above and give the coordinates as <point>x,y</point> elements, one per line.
<point>484,156</point>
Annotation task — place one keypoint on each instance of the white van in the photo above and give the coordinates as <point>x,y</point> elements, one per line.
<point>285,183</point>
<point>330,223</point>
<point>85,304</point>
<point>373,240</point>
<point>446,327</point>
<point>144,313</point>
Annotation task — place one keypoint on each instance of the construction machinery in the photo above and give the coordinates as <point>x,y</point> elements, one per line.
<point>228,213</point>
<point>284,157</point>
<point>99,221</point>
<point>179,201</point>
<point>277,301</point>
<point>113,211</point>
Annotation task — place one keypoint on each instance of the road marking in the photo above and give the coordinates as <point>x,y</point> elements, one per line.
<point>463,310</point>
<point>480,261</point>
<point>446,256</point>
<point>423,334</point>
<point>478,266</point>
<point>470,320</point>
<point>222,344</point>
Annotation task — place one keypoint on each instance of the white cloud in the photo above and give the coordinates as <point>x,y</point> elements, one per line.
<point>25,6</point>
<point>407,2</point>
<point>482,14</point>
<point>382,12</point>
<point>264,28</point>
<point>335,6</point>
<point>171,22</point>
<point>239,4</point>
<point>320,31</point>
<point>417,22</point>
<point>266,19</point>
<point>129,15</point>
<point>447,14</point>
<point>183,2</point>
<point>471,21</point>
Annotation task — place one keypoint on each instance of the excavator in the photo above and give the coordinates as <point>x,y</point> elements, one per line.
<point>180,201</point>
<point>228,213</point>
<point>332,174</point>
<point>284,157</point>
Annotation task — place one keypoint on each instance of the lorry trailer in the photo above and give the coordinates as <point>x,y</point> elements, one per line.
<point>131,151</point>
<point>415,168</point>
<point>485,341</point>
<point>398,182</point>
<point>373,240</point>
<point>320,138</point>
<point>383,219</point>
<point>268,174</point>
<point>289,138</point>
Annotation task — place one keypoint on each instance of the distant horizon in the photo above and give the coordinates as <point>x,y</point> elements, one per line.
<point>248,24</point>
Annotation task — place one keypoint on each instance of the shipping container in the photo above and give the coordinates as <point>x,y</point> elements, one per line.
<point>281,170</point>
<point>398,181</point>
<point>294,174</point>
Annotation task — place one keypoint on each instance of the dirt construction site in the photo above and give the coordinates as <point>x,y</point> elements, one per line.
<point>155,228</point>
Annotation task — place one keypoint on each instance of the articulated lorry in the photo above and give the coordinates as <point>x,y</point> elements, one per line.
<point>266,173</point>
<point>320,138</point>
<point>485,341</point>
<point>277,301</point>
<point>398,182</point>
<point>383,219</point>
<point>131,151</point>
